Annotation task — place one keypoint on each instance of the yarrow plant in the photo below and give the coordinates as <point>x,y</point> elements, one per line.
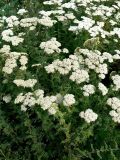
<point>60,80</point>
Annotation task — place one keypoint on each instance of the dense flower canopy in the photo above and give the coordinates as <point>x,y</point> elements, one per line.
<point>60,77</point>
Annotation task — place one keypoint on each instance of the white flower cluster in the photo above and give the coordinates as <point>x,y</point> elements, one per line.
<point>86,24</point>
<point>69,5</point>
<point>102,88</point>
<point>88,115</point>
<point>37,98</point>
<point>102,70</point>
<point>51,46</point>
<point>79,76</point>
<point>95,61</point>
<point>7,35</point>
<point>49,103</point>
<point>50,68</point>
<point>69,100</point>
<point>11,61</point>
<point>89,23</point>
<point>25,83</point>
<point>33,21</point>
<point>15,40</point>
<point>12,21</point>
<point>102,10</point>
<point>97,30</point>
<point>60,11</point>
<point>51,2</point>
<point>67,16</point>
<point>116,31</point>
<point>65,50</point>
<point>10,64</point>
<point>7,98</point>
<point>70,16</point>
<point>46,21</point>
<point>88,89</point>
<point>100,20</point>
<point>29,22</point>
<point>22,11</point>
<point>114,102</point>
<point>116,81</point>
<point>93,8</point>
<point>5,49</point>
<point>64,67</point>
<point>26,100</point>
<point>23,61</point>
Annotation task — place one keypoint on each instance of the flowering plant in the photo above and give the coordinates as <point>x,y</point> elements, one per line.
<point>60,80</point>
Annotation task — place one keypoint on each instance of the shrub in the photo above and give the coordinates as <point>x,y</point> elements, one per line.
<point>60,80</point>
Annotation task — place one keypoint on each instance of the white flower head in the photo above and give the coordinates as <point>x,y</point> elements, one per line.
<point>68,100</point>
<point>88,115</point>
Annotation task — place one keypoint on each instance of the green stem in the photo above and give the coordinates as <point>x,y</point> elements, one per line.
<point>3,154</point>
